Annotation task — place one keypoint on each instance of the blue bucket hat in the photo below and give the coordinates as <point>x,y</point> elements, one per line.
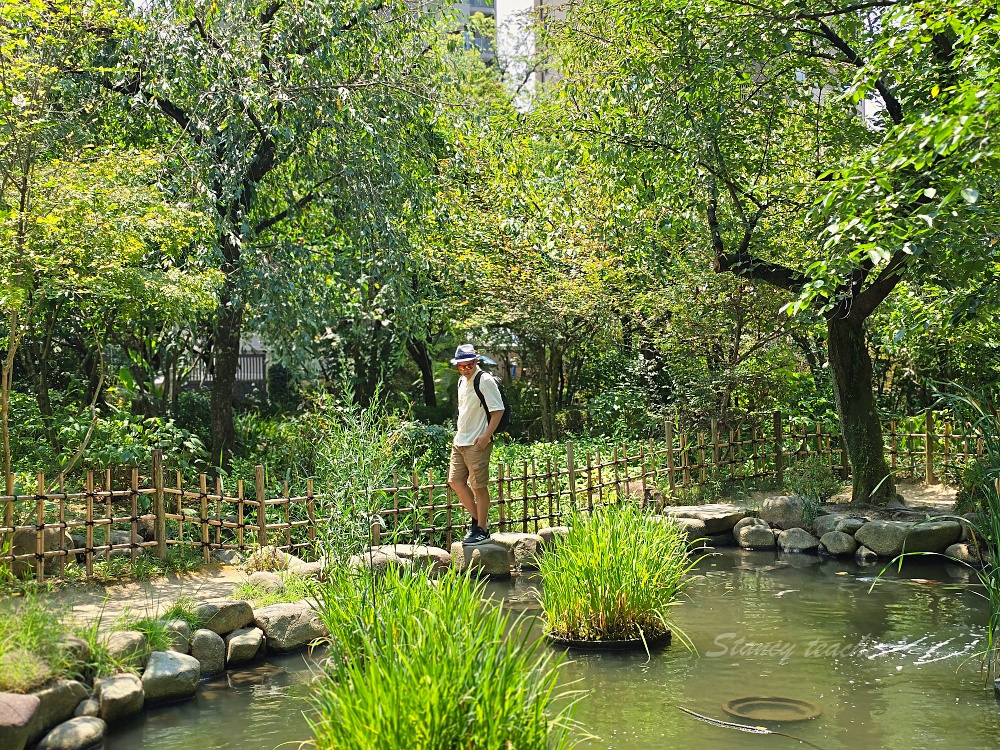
<point>464,354</point>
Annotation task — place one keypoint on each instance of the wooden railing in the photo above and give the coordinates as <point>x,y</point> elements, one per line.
<point>129,513</point>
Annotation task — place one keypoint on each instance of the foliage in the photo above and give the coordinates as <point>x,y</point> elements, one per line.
<point>974,481</point>
<point>29,650</point>
<point>811,478</point>
<point>614,576</point>
<point>455,670</point>
<point>294,588</point>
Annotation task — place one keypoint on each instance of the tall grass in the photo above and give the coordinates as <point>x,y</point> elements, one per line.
<point>427,665</point>
<point>981,412</point>
<point>614,576</point>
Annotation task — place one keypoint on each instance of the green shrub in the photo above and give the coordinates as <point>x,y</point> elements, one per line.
<point>812,479</point>
<point>427,665</point>
<point>614,576</point>
<point>974,481</point>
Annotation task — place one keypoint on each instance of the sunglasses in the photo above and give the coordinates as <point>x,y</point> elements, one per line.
<point>466,367</point>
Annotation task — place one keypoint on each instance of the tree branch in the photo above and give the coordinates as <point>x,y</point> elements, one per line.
<point>302,202</point>
<point>865,303</point>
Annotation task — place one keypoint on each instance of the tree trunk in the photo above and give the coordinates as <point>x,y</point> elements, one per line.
<point>851,366</point>
<point>418,350</point>
<point>226,361</point>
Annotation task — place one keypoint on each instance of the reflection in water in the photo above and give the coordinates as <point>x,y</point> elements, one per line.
<point>881,663</point>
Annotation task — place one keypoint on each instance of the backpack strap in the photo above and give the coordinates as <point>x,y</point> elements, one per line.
<point>482,398</point>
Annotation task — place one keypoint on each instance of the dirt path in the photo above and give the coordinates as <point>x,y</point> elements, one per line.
<point>111,602</point>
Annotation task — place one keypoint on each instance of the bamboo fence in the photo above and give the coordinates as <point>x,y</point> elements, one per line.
<point>44,531</point>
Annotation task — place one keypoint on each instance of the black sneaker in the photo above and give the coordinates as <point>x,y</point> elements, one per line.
<point>471,537</point>
<point>478,536</point>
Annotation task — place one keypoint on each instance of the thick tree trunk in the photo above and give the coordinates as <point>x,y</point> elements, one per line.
<point>226,356</point>
<point>851,366</point>
<point>418,351</point>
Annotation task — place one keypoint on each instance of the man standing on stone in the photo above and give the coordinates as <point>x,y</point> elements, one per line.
<point>469,469</point>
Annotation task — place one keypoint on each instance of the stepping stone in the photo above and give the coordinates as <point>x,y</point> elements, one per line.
<point>420,555</point>
<point>717,517</point>
<point>80,733</point>
<point>170,676</point>
<point>379,559</point>
<point>522,549</point>
<point>486,558</point>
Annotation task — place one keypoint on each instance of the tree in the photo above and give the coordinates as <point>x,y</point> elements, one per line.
<point>279,111</point>
<point>831,151</point>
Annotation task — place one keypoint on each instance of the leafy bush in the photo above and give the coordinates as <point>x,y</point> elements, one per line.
<point>614,576</point>
<point>428,665</point>
<point>812,479</point>
<point>974,481</point>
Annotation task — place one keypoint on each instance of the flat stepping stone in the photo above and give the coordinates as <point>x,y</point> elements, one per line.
<point>421,555</point>
<point>717,517</point>
<point>486,558</point>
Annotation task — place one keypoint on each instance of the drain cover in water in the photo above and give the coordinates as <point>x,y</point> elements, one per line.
<point>775,708</point>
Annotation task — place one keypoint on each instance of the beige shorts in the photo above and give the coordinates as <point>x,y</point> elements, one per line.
<point>468,461</point>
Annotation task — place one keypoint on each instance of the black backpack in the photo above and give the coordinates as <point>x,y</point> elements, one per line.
<point>505,419</point>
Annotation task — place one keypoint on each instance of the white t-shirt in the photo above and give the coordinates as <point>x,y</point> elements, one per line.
<point>472,417</point>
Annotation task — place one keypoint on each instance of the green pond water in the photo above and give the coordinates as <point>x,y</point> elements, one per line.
<point>892,668</point>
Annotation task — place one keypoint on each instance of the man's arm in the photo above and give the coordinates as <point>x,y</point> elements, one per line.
<point>483,441</point>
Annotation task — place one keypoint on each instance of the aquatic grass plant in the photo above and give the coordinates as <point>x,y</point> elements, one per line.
<point>614,576</point>
<point>428,665</point>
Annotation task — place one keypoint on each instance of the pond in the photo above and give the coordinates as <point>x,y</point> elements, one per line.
<point>892,668</point>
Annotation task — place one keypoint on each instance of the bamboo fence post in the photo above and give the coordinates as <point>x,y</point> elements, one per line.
<point>8,514</point>
<point>615,473</point>
<point>929,477</point>
<point>501,510</point>
<point>180,507</point>
<point>134,525</point>
<point>590,486</point>
<point>642,475</point>
<point>239,514</point>
<point>62,524</point>
<point>158,506</point>
<point>668,431</point>
<point>548,488</point>
<point>110,511</point>
<point>600,479</point>
<point>258,480</point>
<point>524,494</point>
<point>415,499</point>
<point>205,552</point>
<point>376,534</point>
<point>218,511</point>
<point>779,458</point>
<point>685,462</point>
<point>40,528</point>
<point>534,493</point>
<point>702,474</point>
<point>447,513</point>
<point>311,511</point>
<point>716,450</point>
<point>945,458</point>
<point>571,476</point>
<point>287,497</point>
<point>89,552</point>
<point>892,446</point>
<point>430,493</point>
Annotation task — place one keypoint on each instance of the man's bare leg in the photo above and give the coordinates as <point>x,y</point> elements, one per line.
<point>483,507</point>
<point>467,499</point>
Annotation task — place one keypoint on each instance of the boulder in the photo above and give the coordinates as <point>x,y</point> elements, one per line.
<point>24,542</point>
<point>783,511</point>
<point>89,707</point>
<point>838,543</point>
<point>289,626</point>
<point>170,676</point>
<point>865,555</point>
<point>57,702</point>
<point>886,538</point>
<point>964,552</point>
<point>179,633</point>
<point>486,558</point>
<point>75,649</point>
<point>120,696</point>
<point>797,540</point>
<point>243,645</point>
<point>209,649</point>
<point>850,525</point>
<point>269,582</point>
<point>748,521</point>
<point>827,522</point>
<point>16,713</point>
<point>379,559</point>
<point>522,549</point>
<point>694,527</point>
<point>224,615</point>
<point>550,534</point>
<point>310,569</point>
<point>716,517</point>
<point>80,733</point>
<point>127,647</point>
<point>755,536</point>
<point>420,555</point>
<point>229,557</point>
<point>270,559</point>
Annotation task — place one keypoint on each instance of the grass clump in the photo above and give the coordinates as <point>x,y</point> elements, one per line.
<point>614,576</point>
<point>294,588</point>
<point>30,649</point>
<point>427,665</point>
